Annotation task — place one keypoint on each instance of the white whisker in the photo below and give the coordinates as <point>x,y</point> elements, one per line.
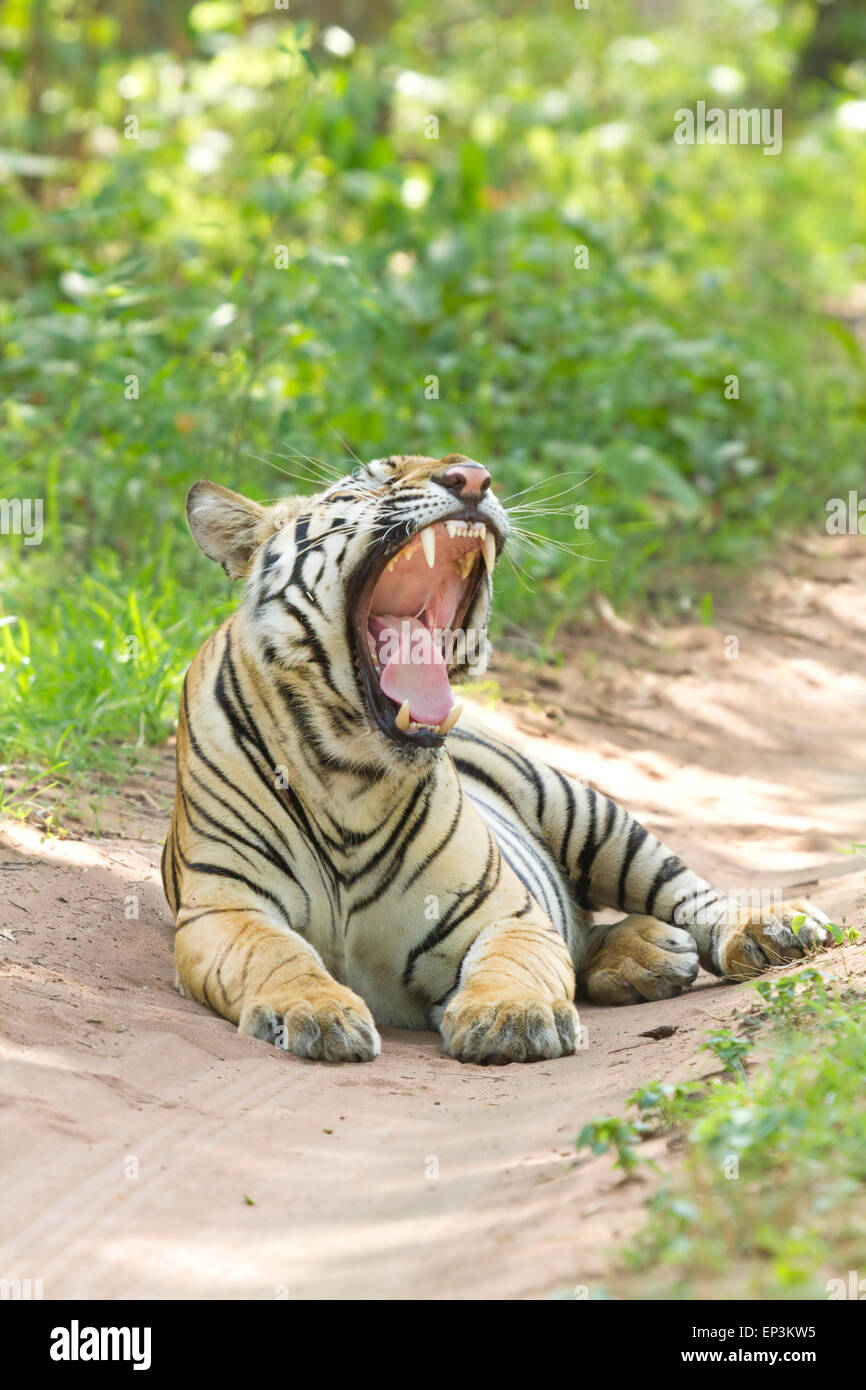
<point>347,447</point>
<point>537,538</point>
<point>326,470</point>
<point>299,477</point>
<point>544,483</point>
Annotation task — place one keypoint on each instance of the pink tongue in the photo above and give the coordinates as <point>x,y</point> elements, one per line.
<point>415,669</point>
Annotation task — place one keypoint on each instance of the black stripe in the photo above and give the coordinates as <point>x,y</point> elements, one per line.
<point>531,863</point>
<point>218,773</point>
<point>586,858</point>
<point>458,912</point>
<point>569,817</point>
<point>670,869</point>
<point>609,820</point>
<point>470,770</point>
<point>517,760</point>
<point>249,733</point>
<point>443,998</point>
<point>636,837</point>
<point>219,871</point>
<point>263,850</point>
<point>314,642</point>
<point>211,911</point>
<point>212,839</point>
<point>446,840</point>
<point>709,895</point>
<point>404,831</point>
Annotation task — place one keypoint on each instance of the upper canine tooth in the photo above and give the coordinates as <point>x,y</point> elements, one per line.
<point>451,717</point>
<point>490,551</point>
<point>428,541</point>
<point>403,717</point>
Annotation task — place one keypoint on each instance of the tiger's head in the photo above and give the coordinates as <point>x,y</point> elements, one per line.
<point>371,596</point>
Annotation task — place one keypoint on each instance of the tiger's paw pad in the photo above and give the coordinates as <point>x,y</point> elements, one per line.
<point>518,1030</point>
<point>638,960</point>
<point>331,1032</point>
<point>758,941</point>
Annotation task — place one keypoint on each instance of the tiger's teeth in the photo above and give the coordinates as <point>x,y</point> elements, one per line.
<point>428,541</point>
<point>403,717</point>
<point>451,718</point>
<point>490,551</point>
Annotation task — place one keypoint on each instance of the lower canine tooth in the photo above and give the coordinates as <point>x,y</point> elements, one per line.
<point>403,717</point>
<point>451,718</point>
<point>490,551</point>
<point>428,541</point>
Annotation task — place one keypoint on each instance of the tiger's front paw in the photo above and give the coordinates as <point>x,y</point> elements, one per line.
<point>757,941</point>
<point>513,1030</point>
<point>336,1029</point>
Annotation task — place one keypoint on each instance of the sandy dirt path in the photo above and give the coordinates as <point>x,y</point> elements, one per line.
<point>148,1151</point>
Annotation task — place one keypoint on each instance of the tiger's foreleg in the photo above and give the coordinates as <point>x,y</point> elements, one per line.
<point>673,907</point>
<point>272,984</point>
<point>514,1001</point>
<point>676,918</point>
<point>612,861</point>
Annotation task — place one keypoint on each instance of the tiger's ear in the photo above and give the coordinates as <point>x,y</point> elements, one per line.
<point>227,527</point>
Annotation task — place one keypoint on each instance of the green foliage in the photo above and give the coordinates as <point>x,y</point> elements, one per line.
<point>771,1197</point>
<point>663,1104</point>
<point>731,1051</point>
<point>792,996</point>
<point>231,246</point>
<point>602,1135</point>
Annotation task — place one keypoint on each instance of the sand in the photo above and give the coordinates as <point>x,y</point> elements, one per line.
<point>149,1151</point>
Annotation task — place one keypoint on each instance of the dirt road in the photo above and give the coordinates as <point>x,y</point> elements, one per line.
<point>148,1151</point>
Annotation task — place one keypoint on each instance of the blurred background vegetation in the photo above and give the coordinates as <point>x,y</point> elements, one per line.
<point>157,157</point>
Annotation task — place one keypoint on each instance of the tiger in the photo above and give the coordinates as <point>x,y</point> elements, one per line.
<point>346,852</point>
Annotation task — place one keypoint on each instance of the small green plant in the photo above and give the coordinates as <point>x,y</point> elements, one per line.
<point>730,1050</point>
<point>609,1133</point>
<point>664,1105</point>
<point>661,1106</point>
<point>792,996</point>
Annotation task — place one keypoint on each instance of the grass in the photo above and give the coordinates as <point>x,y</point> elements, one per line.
<point>91,687</point>
<point>768,1199</point>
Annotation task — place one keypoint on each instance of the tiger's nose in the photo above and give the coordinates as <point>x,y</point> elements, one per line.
<point>469,480</point>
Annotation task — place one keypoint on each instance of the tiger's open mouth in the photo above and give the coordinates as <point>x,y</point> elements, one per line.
<point>409,611</point>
